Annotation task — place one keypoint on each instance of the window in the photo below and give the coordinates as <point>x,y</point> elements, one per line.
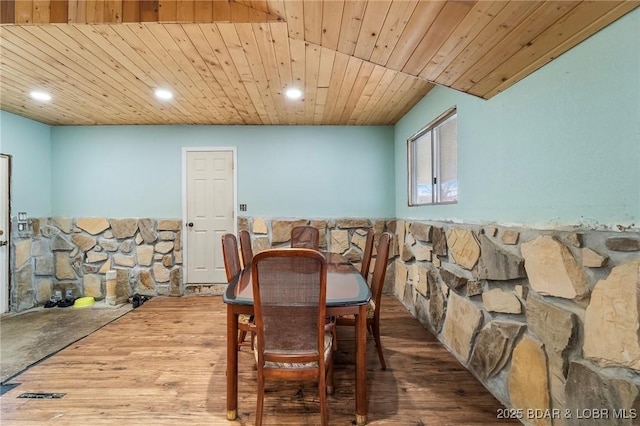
<point>433,162</point>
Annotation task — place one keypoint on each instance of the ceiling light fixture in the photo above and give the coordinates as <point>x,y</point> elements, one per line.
<point>293,93</point>
<point>40,96</point>
<point>163,94</point>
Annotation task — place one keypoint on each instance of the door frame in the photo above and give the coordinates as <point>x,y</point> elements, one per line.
<point>6,289</point>
<point>185,234</point>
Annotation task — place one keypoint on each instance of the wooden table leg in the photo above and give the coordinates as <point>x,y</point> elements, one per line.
<point>232,363</point>
<point>361,366</point>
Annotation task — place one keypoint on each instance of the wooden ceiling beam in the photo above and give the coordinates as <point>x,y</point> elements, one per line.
<point>40,12</point>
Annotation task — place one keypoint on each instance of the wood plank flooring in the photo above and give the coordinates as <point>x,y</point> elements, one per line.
<point>164,364</point>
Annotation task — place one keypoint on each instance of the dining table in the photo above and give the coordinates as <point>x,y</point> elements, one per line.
<point>347,294</point>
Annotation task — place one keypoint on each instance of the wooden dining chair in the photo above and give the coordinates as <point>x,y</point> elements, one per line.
<point>245,248</point>
<point>305,236</point>
<point>289,294</point>
<point>373,308</point>
<point>368,253</point>
<point>231,257</point>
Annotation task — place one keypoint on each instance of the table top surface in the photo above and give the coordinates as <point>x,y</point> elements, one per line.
<point>345,285</point>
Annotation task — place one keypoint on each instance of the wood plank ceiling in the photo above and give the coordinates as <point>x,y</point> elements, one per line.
<point>356,62</point>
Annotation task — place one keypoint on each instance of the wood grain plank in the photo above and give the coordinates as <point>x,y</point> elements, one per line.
<point>352,17</point>
<point>537,22</point>
<point>258,43</point>
<point>325,70</point>
<point>277,9</point>
<point>203,11</point>
<point>395,24</point>
<point>132,64</point>
<point>8,12</point>
<point>383,107</point>
<point>363,106</point>
<point>185,10</point>
<point>311,76</point>
<point>131,11</point>
<point>74,45</point>
<point>23,12</point>
<point>221,11</point>
<point>337,73</point>
<point>187,66</point>
<point>149,11</point>
<point>283,61</point>
<point>41,11</point>
<point>370,111</point>
<point>79,8</point>
<point>149,49</point>
<point>374,17</point>
<point>59,11</point>
<point>239,64</point>
<point>424,15</point>
<point>58,72</point>
<point>313,21</point>
<point>498,28</point>
<point>258,15</point>
<point>448,19</point>
<point>113,11</point>
<point>347,86</point>
<point>357,87</point>
<point>167,10</point>
<point>295,18</point>
<point>239,12</point>
<point>297,52</point>
<point>331,22</point>
<point>398,94</point>
<point>183,379</point>
<point>15,82</point>
<point>95,11</point>
<point>553,42</point>
<point>228,76</point>
<point>462,36</point>
<point>418,90</point>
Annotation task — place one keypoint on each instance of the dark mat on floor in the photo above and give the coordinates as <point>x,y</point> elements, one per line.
<point>28,337</point>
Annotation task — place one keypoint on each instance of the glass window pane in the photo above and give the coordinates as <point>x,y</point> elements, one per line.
<point>433,162</point>
<point>448,156</point>
<point>424,172</point>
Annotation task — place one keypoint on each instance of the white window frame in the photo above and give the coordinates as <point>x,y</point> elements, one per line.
<point>435,156</point>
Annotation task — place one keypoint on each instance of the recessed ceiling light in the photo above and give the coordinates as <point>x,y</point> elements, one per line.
<point>293,93</point>
<point>40,96</point>
<point>163,94</point>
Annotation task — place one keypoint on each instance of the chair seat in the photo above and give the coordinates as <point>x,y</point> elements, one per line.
<point>244,319</point>
<point>328,345</point>
<point>371,309</point>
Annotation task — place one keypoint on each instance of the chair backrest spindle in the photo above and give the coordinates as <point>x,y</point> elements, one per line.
<point>245,248</point>
<point>231,256</point>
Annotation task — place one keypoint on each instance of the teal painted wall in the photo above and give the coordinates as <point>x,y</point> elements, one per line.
<point>561,147</point>
<point>29,144</point>
<point>291,171</point>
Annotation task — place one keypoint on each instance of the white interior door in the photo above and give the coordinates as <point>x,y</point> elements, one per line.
<point>210,213</point>
<point>4,233</point>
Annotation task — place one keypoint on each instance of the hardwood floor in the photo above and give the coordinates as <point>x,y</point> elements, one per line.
<point>164,364</point>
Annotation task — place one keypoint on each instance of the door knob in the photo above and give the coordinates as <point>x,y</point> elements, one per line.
<point>3,243</point>
<point>190,224</point>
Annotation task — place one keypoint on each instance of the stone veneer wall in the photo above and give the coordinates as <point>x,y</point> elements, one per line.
<point>75,254</point>
<point>548,321</point>
<point>345,236</point>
